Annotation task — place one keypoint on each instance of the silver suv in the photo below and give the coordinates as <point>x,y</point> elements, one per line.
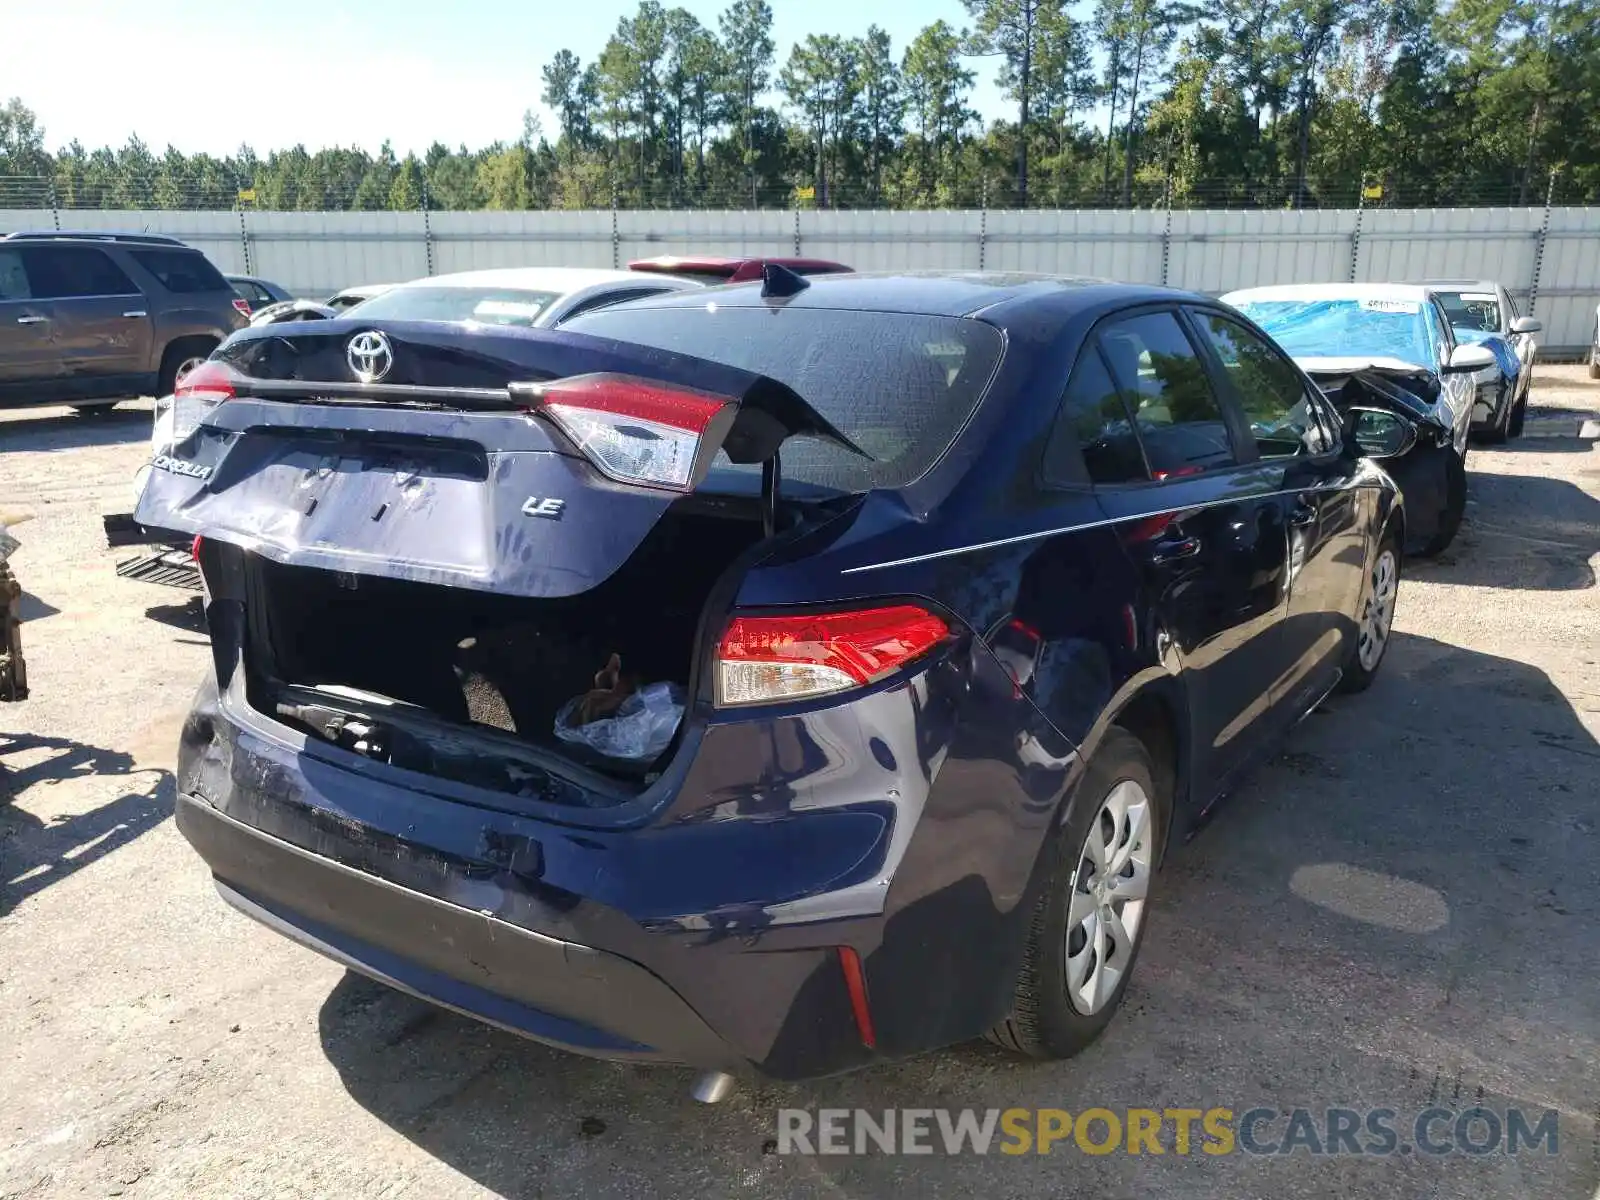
<point>88,319</point>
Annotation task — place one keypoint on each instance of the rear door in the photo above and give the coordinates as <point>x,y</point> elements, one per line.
<point>1296,436</point>
<point>101,322</point>
<point>1204,524</point>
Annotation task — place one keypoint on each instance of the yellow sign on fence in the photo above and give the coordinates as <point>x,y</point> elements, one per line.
<point>805,193</point>
<point>1373,191</point>
<point>247,195</point>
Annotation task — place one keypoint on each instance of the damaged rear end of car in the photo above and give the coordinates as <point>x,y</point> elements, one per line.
<point>492,719</point>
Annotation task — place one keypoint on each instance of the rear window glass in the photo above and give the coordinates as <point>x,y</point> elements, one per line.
<point>182,271</point>
<point>899,385</point>
<point>484,306</point>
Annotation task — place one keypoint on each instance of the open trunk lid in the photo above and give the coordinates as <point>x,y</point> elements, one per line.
<point>523,462</point>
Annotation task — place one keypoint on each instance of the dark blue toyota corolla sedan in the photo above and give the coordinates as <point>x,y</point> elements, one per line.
<point>778,678</point>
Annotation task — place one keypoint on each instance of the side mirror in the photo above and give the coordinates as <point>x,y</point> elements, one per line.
<point>1378,433</point>
<point>1470,357</point>
<point>1526,325</point>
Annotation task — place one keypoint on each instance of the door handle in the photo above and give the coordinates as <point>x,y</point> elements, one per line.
<point>138,312</point>
<point>1303,515</point>
<point>1174,549</point>
<point>31,320</point>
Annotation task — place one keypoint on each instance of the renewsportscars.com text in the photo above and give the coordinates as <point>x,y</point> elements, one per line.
<point>1215,1131</point>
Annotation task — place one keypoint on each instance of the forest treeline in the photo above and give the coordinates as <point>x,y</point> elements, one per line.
<point>1257,103</point>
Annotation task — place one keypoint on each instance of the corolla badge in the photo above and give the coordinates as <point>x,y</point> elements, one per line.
<point>370,356</point>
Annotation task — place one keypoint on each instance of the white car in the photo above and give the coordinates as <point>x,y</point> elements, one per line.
<point>1594,350</point>
<point>1483,311</point>
<point>1358,340</point>
<point>538,297</point>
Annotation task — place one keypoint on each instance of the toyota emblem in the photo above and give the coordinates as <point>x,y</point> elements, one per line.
<point>370,356</point>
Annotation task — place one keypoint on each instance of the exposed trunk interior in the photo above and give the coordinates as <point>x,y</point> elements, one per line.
<point>476,662</point>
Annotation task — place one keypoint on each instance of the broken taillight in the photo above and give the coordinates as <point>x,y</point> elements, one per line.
<point>636,430</point>
<point>241,306</point>
<point>795,657</point>
<point>209,382</point>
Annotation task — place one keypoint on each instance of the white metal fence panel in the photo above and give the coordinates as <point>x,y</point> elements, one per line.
<point>1549,258</point>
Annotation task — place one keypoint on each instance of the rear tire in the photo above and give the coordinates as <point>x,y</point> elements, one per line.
<point>1375,621</point>
<point>1455,507</point>
<point>1077,963</point>
<point>1594,361</point>
<point>180,358</point>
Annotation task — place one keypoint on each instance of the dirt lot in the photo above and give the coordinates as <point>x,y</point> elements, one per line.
<point>1398,911</point>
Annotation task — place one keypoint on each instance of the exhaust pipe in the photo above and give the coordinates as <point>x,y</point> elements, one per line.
<point>713,1087</point>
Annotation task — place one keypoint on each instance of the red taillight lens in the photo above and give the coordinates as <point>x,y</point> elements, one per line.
<point>766,659</point>
<point>211,381</point>
<point>243,305</point>
<point>636,430</point>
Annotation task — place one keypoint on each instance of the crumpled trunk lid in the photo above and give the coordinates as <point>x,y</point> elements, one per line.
<point>435,472</point>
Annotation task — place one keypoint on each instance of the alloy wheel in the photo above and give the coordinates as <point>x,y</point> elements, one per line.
<point>1110,888</point>
<point>1377,614</point>
<point>186,366</point>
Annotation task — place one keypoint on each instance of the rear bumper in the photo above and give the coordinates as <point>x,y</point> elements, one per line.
<point>558,992</point>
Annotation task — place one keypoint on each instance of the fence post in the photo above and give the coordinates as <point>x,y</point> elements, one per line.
<point>1544,236</point>
<point>1166,231</point>
<point>427,225</point>
<point>55,207</point>
<point>244,239</point>
<point>1355,235</point>
<point>983,223</point>
<point>616,235</point>
<point>797,227</point>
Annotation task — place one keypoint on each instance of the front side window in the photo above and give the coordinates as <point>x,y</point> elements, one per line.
<point>1175,410</point>
<point>1283,419</point>
<point>64,272</point>
<point>13,278</point>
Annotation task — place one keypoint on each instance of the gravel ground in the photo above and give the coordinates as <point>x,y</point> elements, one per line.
<point>1396,911</point>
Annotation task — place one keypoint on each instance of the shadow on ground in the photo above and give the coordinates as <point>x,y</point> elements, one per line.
<point>35,854</point>
<point>1522,531</point>
<point>1393,912</point>
<point>70,430</point>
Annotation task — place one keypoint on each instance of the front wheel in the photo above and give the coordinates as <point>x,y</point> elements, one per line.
<point>1375,620</point>
<point>1453,510</point>
<point>1090,918</point>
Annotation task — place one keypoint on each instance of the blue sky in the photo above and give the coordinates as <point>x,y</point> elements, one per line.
<point>186,72</point>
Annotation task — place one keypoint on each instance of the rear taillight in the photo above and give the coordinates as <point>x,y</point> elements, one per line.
<point>636,430</point>
<point>210,381</point>
<point>796,657</point>
<point>242,305</point>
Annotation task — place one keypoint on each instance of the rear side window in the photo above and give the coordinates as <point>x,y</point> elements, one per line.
<point>63,272</point>
<point>899,385</point>
<point>1177,413</point>
<point>181,271</point>
<point>1096,418</point>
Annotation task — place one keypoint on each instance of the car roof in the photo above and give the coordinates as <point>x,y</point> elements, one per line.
<point>717,263</point>
<point>1333,291</point>
<point>1460,285</point>
<point>560,280</point>
<point>932,293</point>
